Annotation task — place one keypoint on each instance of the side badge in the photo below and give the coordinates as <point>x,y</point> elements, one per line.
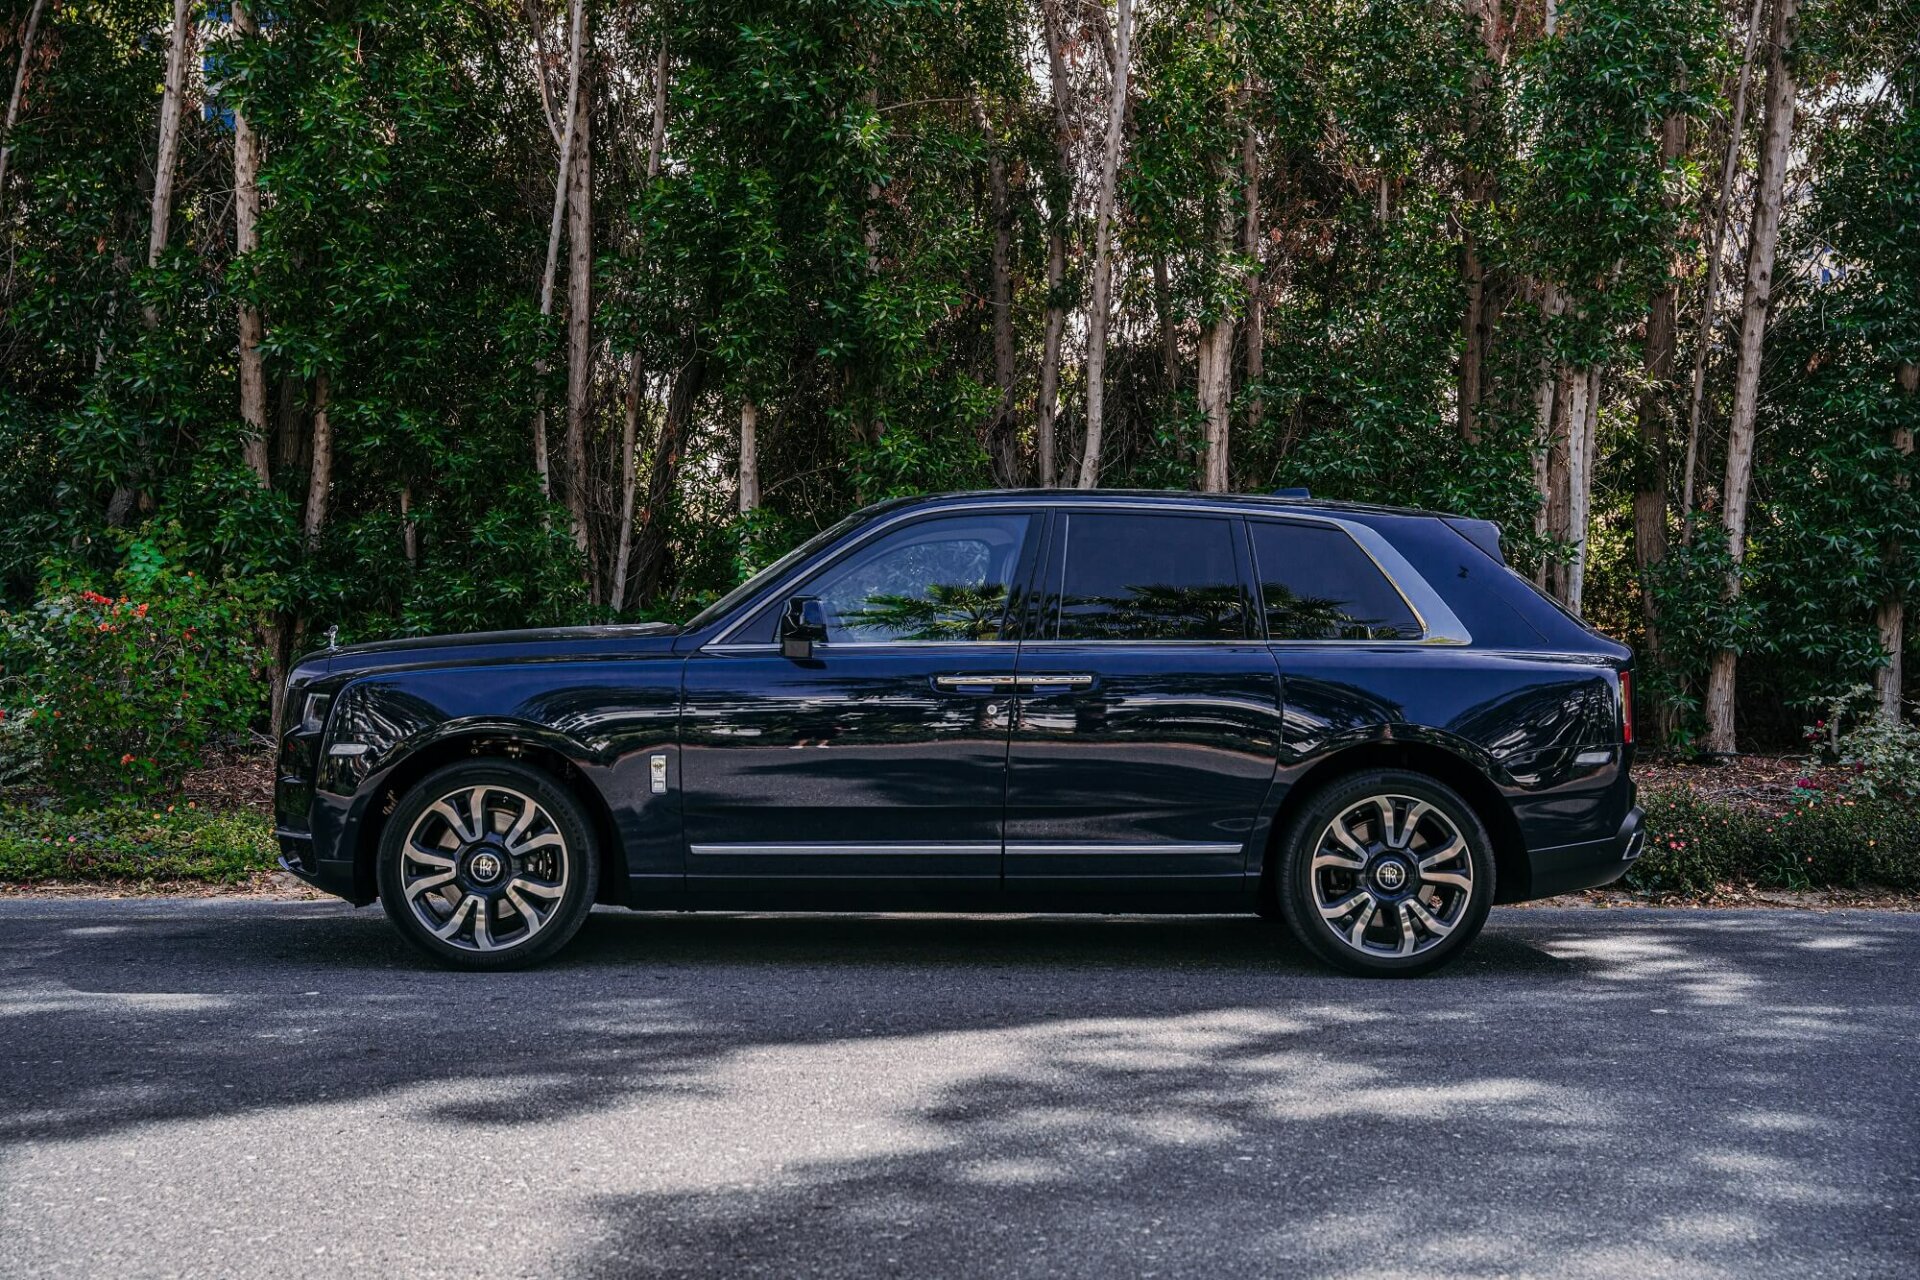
<point>659,766</point>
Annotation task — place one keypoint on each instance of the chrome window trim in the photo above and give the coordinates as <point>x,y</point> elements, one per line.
<point>1441,625</point>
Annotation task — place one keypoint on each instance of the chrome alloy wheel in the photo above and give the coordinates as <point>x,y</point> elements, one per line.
<point>1392,876</point>
<point>484,868</point>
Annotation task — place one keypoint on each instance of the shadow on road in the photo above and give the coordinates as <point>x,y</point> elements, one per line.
<point>1588,1093</point>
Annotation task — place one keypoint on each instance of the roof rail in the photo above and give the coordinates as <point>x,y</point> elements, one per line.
<point>1301,492</point>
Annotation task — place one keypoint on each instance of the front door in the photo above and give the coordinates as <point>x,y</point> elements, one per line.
<point>877,768</point>
<point>1147,719</point>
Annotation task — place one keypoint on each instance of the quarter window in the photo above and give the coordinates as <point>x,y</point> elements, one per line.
<point>947,578</point>
<point>1317,584</point>
<point>1149,577</point>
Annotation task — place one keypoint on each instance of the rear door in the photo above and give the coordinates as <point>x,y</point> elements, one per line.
<point>1146,723</point>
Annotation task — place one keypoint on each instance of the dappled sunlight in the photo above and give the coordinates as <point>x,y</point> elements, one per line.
<point>1098,1097</point>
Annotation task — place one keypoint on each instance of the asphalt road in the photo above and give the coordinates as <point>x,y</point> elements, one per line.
<point>237,1088</point>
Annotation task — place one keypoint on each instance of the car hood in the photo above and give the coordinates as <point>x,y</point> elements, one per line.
<point>541,644</point>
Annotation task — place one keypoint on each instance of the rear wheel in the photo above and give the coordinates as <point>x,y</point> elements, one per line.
<point>1386,873</point>
<point>488,865</point>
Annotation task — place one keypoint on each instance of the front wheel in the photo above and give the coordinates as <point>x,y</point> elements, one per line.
<point>1386,873</point>
<point>488,864</point>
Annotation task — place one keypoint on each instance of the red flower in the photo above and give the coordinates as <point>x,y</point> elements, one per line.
<point>126,759</point>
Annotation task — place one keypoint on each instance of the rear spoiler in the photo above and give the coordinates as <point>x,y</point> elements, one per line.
<point>1484,534</point>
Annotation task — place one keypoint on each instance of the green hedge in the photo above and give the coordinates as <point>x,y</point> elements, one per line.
<point>1824,842</point>
<point>128,844</point>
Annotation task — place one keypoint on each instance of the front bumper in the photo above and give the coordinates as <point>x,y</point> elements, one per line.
<point>1590,864</point>
<point>337,877</point>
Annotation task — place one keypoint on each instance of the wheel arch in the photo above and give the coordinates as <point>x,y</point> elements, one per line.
<point>481,743</point>
<point>1512,869</point>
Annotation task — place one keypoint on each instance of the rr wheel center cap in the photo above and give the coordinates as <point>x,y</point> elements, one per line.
<point>1391,875</point>
<point>485,867</point>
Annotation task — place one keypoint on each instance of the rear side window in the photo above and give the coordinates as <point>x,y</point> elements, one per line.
<point>1317,584</point>
<point>1149,577</point>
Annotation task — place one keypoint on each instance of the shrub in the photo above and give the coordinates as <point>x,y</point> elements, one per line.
<point>1820,840</point>
<point>131,844</point>
<point>117,692</point>
<point>1880,757</point>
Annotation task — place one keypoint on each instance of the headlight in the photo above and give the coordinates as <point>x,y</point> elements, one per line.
<point>313,716</point>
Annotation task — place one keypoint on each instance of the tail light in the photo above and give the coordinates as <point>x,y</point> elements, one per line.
<point>1626,706</point>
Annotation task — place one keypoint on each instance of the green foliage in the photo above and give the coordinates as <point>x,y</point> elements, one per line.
<point>119,693</point>
<point>131,844</point>
<point>1820,841</point>
<point>821,236</point>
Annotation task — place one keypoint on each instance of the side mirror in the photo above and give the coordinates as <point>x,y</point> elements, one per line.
<point>802,626</point>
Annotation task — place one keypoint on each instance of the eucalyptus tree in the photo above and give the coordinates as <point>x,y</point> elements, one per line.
<point>1103,217</point>
<point>1762,241</point>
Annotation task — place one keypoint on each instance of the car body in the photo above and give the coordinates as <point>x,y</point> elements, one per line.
<point>1010,701</point>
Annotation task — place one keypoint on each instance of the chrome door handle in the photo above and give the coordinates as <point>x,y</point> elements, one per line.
<point>1074,681</point>
<point>973,682</point>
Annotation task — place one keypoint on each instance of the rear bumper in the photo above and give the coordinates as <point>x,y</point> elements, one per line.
<point>1590,864</point>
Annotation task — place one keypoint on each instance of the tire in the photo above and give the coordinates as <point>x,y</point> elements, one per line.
<point>1395,853</point>
<point>504,893</point>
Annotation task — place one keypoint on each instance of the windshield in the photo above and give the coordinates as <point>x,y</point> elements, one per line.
<point>766,577</point>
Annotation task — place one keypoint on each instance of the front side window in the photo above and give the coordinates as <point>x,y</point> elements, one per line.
<point>1317,584</point>
<point>948,578</point>
<point>1149,577</point>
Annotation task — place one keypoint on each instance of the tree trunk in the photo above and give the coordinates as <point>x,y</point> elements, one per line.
<point>653,552</point>
<point>629,470</point>
<point>1654,416</point>
<point>1003,445</point>
<point>1102,259</point>
<point>1890,618</point>
<point>1473,337</point>
<point>19,84</point>
<point>561,183</point>
<point>320,477</point>
<point>1583,418</point>
<point>1047,409</point>
<point>161,211</point>
<point>636,377</point>
<point>127,496</point>
<point>749,456</point>
<point>1775,153</point>
<point>1710,298</point>
<point>1163,319</point>
<point>1213,382</point>
<point>246,240</point>
<point>1214,357</point>
<point>1474,325</point>
<point>1545,397</point>
<point>1251,236</point>
<point>580,323</point>
<point>409,535</point>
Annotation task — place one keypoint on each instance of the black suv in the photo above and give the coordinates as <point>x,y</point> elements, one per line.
<point>1355,719</point>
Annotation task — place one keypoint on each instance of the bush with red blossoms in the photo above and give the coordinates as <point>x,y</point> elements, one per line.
<point>119,692</point>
